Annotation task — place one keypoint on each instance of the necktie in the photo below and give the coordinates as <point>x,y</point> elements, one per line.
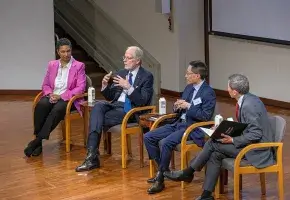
<point>127,104</point>
<point>237,111</point>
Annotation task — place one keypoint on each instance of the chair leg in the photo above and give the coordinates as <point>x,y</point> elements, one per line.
<point>151,168</point>
<point>141,150</point>
<point>281,183</point>
<point>236,185</point>
<point>124,150</point>
<point>222,177</point>
<point>109,143</point>
<point>67,131</point>
<point>129,146</point>
<point>226,175</point>
<point>217,189</point>
<point>62,123</point>
<point>182,165</point>
<point>241,182</point>
<point>263,183</point>
<point>172,160</point>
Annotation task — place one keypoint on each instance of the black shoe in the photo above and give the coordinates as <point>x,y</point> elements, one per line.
<point>151,180</point>
<point>32,146</point>
<point>37,151</point>
<point>156,187</point>
<point>205,198</point>
<point>92,161</point>
<point>178,176</point>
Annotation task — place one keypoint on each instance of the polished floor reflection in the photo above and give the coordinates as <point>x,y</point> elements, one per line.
<point>52,175</point>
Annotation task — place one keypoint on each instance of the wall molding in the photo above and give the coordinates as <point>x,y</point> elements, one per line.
<point>221,93</point>
<point>170,93</point>
<point>224,93</point>
<point>20,92</point>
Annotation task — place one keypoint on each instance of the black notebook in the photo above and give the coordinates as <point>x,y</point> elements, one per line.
<point>230,128</point>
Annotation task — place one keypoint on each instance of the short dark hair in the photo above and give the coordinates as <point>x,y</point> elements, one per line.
<point>199,67</point>
<point>62,42</point>
<point>240,83</point>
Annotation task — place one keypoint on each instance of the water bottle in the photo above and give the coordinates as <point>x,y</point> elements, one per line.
<point>91,95</point>
<point>162,106</point>
<point>218,119</point>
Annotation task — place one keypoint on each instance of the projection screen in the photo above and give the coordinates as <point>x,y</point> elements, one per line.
<point>262,20</point>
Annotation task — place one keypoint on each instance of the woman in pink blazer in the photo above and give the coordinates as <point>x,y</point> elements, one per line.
<point>64,78</point>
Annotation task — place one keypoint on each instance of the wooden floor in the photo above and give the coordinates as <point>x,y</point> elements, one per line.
<point>52,175</point>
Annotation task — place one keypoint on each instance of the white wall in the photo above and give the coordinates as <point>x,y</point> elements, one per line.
<point>26,42</point>
<point>172,49</point>
<point>267,66</point>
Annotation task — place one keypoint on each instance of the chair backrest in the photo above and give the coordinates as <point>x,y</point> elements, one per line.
<point>278,125</point>
<point>88,82</point>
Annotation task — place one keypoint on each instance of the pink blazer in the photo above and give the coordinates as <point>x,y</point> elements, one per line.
<point>76,81</point>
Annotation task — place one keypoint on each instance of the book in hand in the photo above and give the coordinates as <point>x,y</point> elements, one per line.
<point>230,128</point>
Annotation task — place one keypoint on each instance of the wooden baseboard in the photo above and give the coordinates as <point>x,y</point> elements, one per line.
<point>268,102</point>
<point>170,93</point>
<point>223,93</point>
<point>20,92</point>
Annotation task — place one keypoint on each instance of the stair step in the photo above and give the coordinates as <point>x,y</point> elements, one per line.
<point>96,78</point>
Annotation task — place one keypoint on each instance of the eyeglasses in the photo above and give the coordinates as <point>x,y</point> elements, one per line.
<point>127,58</point>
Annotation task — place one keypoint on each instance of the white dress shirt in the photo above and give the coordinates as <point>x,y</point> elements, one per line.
<point>60,83</point>
<point>131,89</point>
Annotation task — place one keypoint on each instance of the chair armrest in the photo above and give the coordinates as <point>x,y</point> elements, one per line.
<point>71,101</point>
<point>250,147</point>
<point>36,100</point>
<point>190,129</point>
<point>161,119</point>
<point>133,111</point>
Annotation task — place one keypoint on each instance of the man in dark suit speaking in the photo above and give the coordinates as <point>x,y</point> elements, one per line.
<point>197,104</point>
<point>250,110</point>
<point>131,87</point>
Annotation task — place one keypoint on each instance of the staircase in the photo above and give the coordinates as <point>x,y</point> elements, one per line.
<point>97,37</point>
<point>93,69</point>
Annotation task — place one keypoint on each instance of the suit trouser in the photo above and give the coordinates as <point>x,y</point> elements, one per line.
<point>47,116</point>
<point>212,155</point>
<point>103,115</point>
<point>161,142</point>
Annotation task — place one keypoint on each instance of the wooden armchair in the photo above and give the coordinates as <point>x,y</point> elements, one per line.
<point>184,147</point>
<point>239,166</point>
<point>127,129</point>
<point>70,115</point>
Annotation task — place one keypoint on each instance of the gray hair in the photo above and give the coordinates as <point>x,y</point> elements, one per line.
<point>137,52</point>
<point>240,83</point>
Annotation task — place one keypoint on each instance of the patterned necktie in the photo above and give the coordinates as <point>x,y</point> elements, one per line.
<point>127,104</point>
<point>237,111</point>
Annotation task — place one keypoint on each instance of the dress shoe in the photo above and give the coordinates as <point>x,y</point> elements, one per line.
<point>92,161</point>
<point>151,180</point>
<point>178,176</point>
<point>205,198</point>
<point>32,146</point>
<point>156,187</point>
<point>37,151</point>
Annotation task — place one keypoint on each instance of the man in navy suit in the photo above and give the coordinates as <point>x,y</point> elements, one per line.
<point>196,105</point>
<point>131,87</point>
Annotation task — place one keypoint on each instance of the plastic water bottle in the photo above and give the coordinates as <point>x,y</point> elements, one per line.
<point>218,119</point>
<point>162,106</point>
<point>91,95</point>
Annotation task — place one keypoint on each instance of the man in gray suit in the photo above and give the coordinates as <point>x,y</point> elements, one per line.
<point>249,109</point>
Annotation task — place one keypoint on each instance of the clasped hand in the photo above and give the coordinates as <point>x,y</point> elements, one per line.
<point>181,104</point>
<point>53,98</point>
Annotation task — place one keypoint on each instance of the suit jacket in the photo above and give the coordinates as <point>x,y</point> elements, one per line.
<point>143,88</point>
<point>76,81</point>
<point>200,112</point>
<point>253,112</point>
